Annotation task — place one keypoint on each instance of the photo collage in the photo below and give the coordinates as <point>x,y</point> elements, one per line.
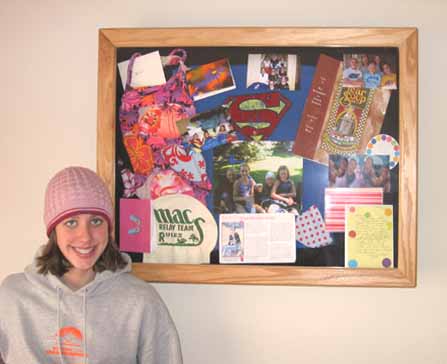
<point>258,155</point>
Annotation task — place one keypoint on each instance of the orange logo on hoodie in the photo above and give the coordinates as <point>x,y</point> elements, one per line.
<point>70,339</point>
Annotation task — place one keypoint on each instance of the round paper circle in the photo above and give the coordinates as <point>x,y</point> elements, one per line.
<point>386,262</point>
<point>183,230</point>
<point>353,263</point>
<point>352,234</point>
<point>384,144</point>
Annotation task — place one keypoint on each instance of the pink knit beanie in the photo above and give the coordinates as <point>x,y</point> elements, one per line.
<point>76,190</point>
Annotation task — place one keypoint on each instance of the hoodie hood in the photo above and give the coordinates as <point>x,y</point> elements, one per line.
<point>51,285</point>
<point>116,318</point>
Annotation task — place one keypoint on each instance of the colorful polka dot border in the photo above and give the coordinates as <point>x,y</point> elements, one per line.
<point>384,144</point>
<point>386,262</point>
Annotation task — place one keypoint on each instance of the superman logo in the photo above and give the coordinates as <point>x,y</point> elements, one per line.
<point>255,116</point>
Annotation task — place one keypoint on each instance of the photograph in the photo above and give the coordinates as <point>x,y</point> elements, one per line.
<point>370,71</point>
<point>276,71</point>
<point>231,239</point>
<point>209,129</point>
<point>359,170</point>
<point>257,177</point>
<point>210,79</point>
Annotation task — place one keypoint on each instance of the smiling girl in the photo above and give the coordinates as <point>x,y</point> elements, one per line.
<point>78,302</point>
<point>243,191</point>
<point>284,190</point>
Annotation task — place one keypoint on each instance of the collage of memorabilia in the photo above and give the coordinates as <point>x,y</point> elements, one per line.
<point>258,155</point>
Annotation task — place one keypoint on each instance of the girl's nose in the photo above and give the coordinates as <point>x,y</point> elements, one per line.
<point>84,232</point>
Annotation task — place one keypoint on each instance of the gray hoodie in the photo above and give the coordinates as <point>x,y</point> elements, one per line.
<point>115,319</point>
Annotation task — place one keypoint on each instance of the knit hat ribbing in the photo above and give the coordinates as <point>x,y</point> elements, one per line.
<point>76,190</point>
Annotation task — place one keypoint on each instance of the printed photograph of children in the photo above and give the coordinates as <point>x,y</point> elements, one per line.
<point>209,129</point>
<point>257,177</point>
<point>369,71</point>
<point>359,170</point>
<point>232,239</point>
<point>276,71</point>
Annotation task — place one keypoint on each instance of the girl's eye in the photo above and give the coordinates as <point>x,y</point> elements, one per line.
<point>96,221</point>
<point>71,223</point>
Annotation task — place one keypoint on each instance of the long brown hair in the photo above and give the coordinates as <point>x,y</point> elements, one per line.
<point>53,261</point>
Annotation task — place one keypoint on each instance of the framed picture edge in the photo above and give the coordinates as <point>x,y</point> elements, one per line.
<point>405,39</point>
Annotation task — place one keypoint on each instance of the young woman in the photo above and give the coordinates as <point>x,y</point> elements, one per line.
<point>224,194</point>
<point>369,176</point>
<point>389,79</point>
<point>349,176</point>
<point>243,191</point>
<point>77,302</point>
<point>284,190</point>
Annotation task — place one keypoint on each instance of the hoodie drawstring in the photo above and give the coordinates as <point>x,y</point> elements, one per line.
<point>84,325</point>
<point>58,290</point>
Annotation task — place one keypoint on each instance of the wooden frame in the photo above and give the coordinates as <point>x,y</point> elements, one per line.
<point>405,39</point>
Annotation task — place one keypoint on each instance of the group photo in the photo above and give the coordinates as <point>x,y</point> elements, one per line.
<point>257,177</point>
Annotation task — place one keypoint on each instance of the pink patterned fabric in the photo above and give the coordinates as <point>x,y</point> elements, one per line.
<point>164,182</point>
<point>76,190</point>
<point>190,166</point>
<point>172,97</point>
<point>131,182</point>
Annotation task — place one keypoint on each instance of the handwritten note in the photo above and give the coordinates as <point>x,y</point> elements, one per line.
<point>369,236</point>
<point>147,71</point>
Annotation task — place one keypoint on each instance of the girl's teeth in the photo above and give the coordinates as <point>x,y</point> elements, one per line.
<point>83,251</point>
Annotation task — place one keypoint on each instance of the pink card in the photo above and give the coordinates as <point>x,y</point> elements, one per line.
<point>135,225</point>
<point>336,199</point>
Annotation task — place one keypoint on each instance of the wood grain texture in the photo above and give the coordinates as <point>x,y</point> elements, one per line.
<point>105,151</point>
<point>406,39</point>
<point>253,36</point>
<point>269,275</point>
<point>408,193</point>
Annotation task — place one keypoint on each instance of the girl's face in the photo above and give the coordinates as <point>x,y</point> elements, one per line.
<point>230,174</point>
<point>368,164</point>
<point>352,166</point>
<point>365,60</point>
<point>244,171</point>
<point>283,175</point>
<point>269,182</point>
<point>82,239</point>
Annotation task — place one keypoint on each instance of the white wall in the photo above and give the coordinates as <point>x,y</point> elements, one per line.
<point>48,70</point>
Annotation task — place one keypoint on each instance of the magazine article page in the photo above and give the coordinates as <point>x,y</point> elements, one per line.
<point>257,238</point>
